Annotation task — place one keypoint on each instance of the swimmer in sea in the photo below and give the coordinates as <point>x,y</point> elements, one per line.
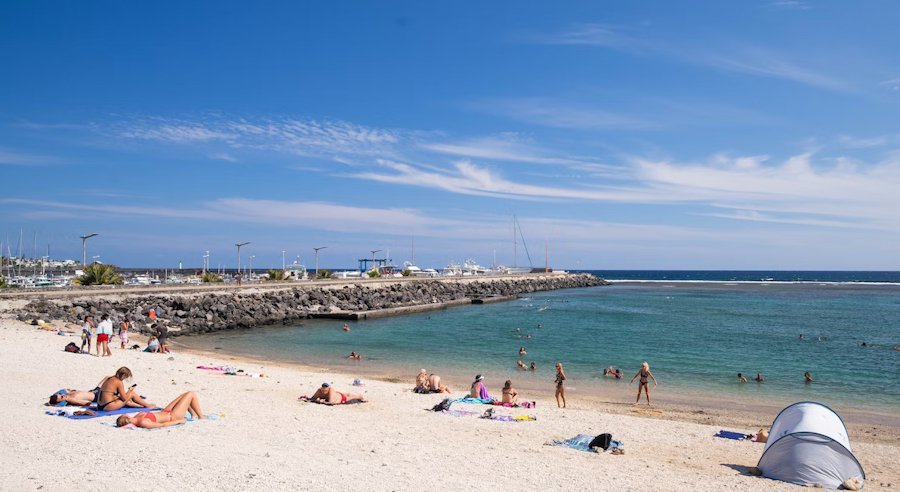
<point>759,378</point>
<point>807,376</point>
<point>539,326</point>
<point>741,378</point>
<point>354,356</point>
<point>346,327</point>
<point>528,336</point>
<point>522,351</point>
<point>521,364</point>
<point>801,336</point>
<point>533,367</point>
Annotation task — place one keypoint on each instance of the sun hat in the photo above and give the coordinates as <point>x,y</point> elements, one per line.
<point>479,377</point>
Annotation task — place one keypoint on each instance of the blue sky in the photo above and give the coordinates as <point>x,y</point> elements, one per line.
<point>676,135</point>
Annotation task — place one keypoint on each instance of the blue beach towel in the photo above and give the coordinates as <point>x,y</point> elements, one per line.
<point>737,436</point>
<point>582,442</point>
<point>69,415</point>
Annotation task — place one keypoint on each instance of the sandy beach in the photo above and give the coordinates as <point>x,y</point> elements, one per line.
<point>264,438</point>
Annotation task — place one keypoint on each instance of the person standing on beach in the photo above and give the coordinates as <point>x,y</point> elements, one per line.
<point>123,333</point>
<point>104,332</point>
<point>560,385</point>
<point>86,334</point>
<point>644,373</point>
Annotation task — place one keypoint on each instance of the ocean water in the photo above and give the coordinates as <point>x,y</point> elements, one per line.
<point>696,336</point>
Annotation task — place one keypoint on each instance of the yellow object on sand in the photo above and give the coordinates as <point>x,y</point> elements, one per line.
<point>647,411</point>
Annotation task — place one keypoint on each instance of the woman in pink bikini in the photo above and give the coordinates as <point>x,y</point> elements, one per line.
<point>172,415</point>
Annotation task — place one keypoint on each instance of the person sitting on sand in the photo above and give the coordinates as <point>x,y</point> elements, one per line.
<point>644,373</point>
<point>434,384</point>
<point>152,345</point>
<point>111,394</point>
<point>354,356</point>
<point>807,376</point>
<point>522,351</point>
<point>72,397</point>
<point>173,414</point>
<point>759,378</point>
<point>510,395</point>
<point>521,364</point>
<point>329,396</point>
<point>478,389</point>
<point>422,382</point>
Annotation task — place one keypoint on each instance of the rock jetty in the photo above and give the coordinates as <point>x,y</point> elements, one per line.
<point>203,312</point>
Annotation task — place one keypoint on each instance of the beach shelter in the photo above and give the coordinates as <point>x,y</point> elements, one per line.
<point>808,445</point>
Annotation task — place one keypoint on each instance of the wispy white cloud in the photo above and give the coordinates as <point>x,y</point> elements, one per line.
<point>790,4</point>
<point>12,158</point>
<point>562,114</point>
<point>511,148</point>
<point>223,156</point>
<point>891,84</point>
<point>751,60</point>
<point>326,138</point>
<point>867,142</point>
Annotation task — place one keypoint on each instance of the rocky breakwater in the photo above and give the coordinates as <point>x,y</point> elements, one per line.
<point>213,311</point>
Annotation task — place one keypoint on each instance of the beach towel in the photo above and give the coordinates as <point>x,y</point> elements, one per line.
<point>68,412</point>
<point>524,404</point>
<point>737,436</point>
<point>306,399</point>
<point>582,442</point>
<point>188,420</point>
<point>459,413</point>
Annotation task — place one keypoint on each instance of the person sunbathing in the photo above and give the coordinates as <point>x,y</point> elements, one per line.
<point>329,396</point>
<point>421,382</point>
<point>510,395</point>
<point>478,389</point>
<point>173,414</point>
<point>65,397</point>
<point>434,384</point>
<point>111,394</point>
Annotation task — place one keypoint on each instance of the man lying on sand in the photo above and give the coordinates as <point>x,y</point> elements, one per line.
<point>72,397</point>
<point>330,396</point>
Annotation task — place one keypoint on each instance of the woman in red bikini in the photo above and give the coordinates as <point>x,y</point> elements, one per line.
<point>172,415</point>
<point>330,396</point>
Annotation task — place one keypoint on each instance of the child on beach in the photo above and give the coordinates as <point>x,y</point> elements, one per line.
<point>644,373</point>
<point>86,334</point>
<point>123,333</point>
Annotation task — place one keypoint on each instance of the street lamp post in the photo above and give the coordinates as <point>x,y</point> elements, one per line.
<point>205,262</point>
<point>282,260</point>
<point>239,255</point>
<point>317,258</point>
<point>84,247</point>
<point>373,256</point>
<point>251,266</point>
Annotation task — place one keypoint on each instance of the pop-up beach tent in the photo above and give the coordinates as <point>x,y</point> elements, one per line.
<point>808,445</point>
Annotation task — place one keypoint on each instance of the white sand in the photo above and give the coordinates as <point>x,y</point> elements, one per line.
<point>266,439</point>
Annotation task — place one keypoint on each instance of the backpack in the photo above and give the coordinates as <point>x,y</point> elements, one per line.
<point>442,406</point>
<point>601,441</point>
<point>71,347</point>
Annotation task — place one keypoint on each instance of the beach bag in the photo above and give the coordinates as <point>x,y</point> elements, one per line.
<point>71,347</point>
<point>442,406</point>
<point>601,441</point>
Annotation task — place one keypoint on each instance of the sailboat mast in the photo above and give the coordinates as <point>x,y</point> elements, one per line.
<point>515,242</point>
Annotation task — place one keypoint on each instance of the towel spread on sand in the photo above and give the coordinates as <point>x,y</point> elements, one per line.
<point>68,412</point>
<point>582,442</point>
<point>737,436</point>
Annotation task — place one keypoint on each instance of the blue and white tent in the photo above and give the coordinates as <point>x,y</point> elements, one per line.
<point>808,445</point>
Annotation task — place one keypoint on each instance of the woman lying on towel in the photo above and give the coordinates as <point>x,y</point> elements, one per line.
<point>330,396</point>
<point>173,414</point>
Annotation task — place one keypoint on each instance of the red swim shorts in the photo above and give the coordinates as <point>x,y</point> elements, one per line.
<point>103,337</point>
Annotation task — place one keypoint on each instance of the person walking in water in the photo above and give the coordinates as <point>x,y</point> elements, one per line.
<point>644,373</point>
<point>560,385</point>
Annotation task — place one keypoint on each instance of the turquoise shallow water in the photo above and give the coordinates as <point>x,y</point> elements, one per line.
<point>695,336</point>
